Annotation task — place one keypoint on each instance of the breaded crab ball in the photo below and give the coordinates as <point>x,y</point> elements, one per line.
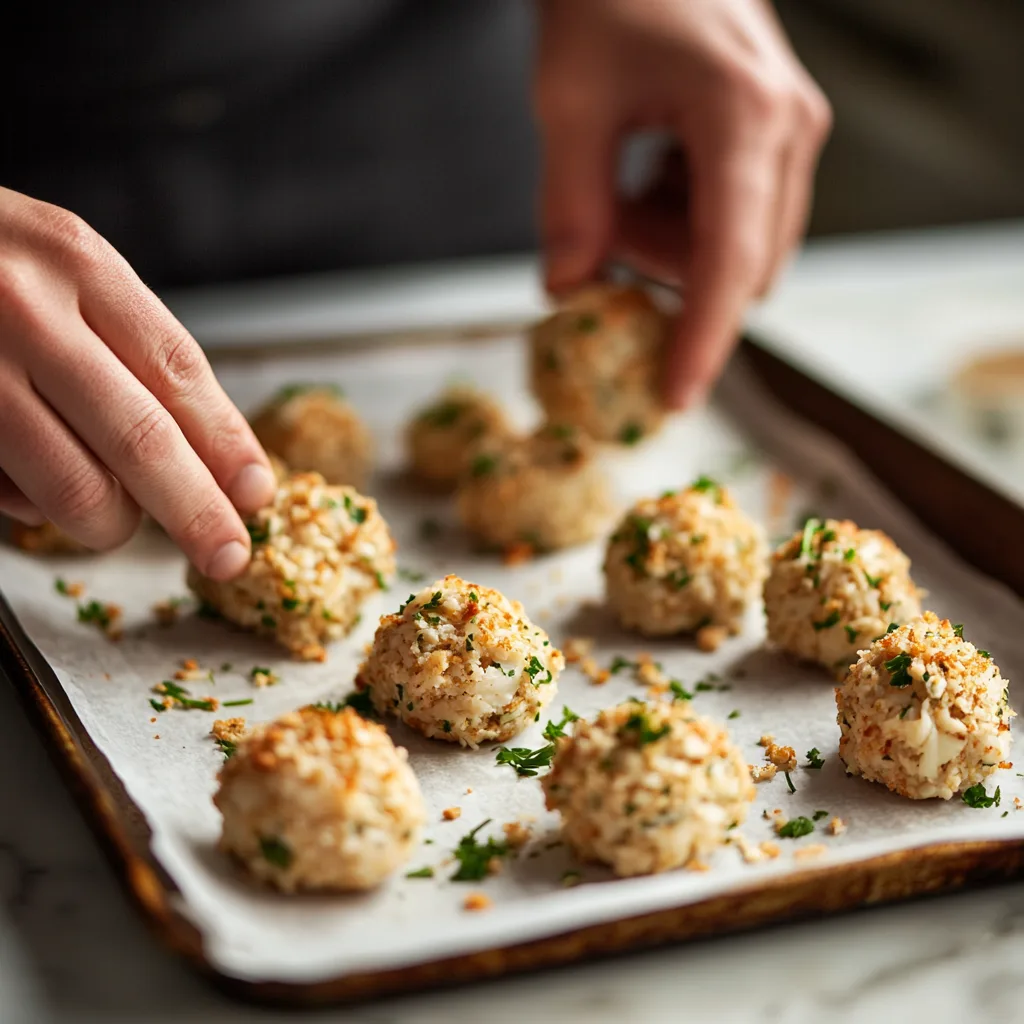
<point>924,712</point>
<point>545,491</point>
<point>318,552</point>
<point>462,663</point>
<point>44,539</point>
<point>596,363</point>
<point>314,429</point>
<point>319,799</point>
<point>647,787</point>
<point>688,561</point>
<point>440,437</point>
<point>833,588</point>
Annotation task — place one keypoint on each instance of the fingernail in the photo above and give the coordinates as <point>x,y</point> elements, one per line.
<point>253,488</point>
<point>567,263</point>
<point>229,561</point>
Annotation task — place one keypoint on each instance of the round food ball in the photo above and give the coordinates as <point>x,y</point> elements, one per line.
<point>688,560</point>
<point>596,363</point>
<point>318,552</point>
<point>833,588</point>
<point>313,429</point>
<point>440,437</point>
<point>545,490</point>
<point>647,787</point>
<point>924,712</point>
<point>319,799</point>
<point>462,663</point>
<point>44,539</point>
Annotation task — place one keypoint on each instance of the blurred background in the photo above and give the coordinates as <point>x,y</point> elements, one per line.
<point>215,140</point>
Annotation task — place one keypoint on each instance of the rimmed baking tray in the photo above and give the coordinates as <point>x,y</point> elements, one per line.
<point>951,505</point>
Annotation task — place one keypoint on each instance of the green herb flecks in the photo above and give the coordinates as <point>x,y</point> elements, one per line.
<point>631,433</point>
<point>639,727</point>
<point>705,485</point>
<point>427,872</point>
<point>587,323</point>
<point>236,703</point>
<point>475,857</point>
<point>818,815</point>
<point>95,613</point>
<point>814,758</point>
<point>555,730</point>
<point>276,851</point>
<point>181,698</point>
<point>975,796</point>
<point>534,669</point>
<point>483,465</point>
<point>899,670</point>
<point>796,827</point>
<point>355,512</point>
<point>851,633</point>
<point>679,692</point>
<point>828,622</point>
<point>525,761</point>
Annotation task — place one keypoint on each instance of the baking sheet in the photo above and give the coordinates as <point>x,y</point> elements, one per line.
<point>253,935</point>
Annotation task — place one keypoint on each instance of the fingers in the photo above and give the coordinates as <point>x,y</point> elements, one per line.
<point>55,474</point>
<point>138,441</point>
<point>811,121</point>
<point>165,358</point>
<point>577,190</point>
<point>15,505</point>
<point>734,189</point>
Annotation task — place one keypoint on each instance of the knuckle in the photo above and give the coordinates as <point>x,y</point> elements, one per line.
<point>67,233</point>
<point>203,527</point>
<point>179,363</point>
<point>148,439</point>
<point>85,494</point>
<point>760,95</point>
<point>817,111</point>
<point>19,280</point>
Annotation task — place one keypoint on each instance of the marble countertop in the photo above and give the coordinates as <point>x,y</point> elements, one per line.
<point>73,949</point>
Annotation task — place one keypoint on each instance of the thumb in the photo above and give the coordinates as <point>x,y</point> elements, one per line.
<point>578,200</point>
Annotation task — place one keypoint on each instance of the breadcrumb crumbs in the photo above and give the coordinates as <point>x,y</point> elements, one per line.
<point>517,834</point>
<point>781,757</point>
<point>766,740</point>
<point>809,852</point>
<point>74,589</point>
<point>710,638</point>
<point>451,813</point>
<point>576,648</point>
<point>777,817</point>
<point>750,852</point>
<point>836,827</point>
<point>167,612</point>
<point>477,901</point>
<point>697,865</point>
<point>593,671</point>
<point>770,850</point>
<point>231,729</point>
<point>518,554</point>
<point>763,772</point>
<point>1005,764</point>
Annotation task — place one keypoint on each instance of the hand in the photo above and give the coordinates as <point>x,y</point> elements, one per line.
<point>108,404</point>
<point>720,76</point>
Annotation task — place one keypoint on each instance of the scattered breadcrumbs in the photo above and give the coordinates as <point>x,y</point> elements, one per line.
<point>451,813</point>
<point>167,612</point>
<point>770,850</point>
<point>1017,805</point>
<point>261,677</point>
<point>763,772</point>
<point>105,617</point>
<point>312,652</point>
<point>781,757</point>
<point>649,673</point>
<point>576,648</point>
<point>766,740</point>
<point>175,696</point>
<point>477,901</point>
<point>190,672</point>
<point>776,817</point>
<point>1005,764</point>
<point>808,852</point>
<point>517,554</point>
<point>227,732</point>
<point>836,827</point>
<point>469,789</point>
<point>750,852</point>
<point>593,671</point>
<point>710,638</point>
<point>517,834</point>
<point>69,589</point>
<point>697,865</point>
<point>495,866</point>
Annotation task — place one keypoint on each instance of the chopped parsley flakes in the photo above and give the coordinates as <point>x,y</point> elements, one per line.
<point>639,727</point>
<point>631,433</point>
<point>525,761</point>
<point>355,513</point>
<point>828,622</point>
<point>554,730</point>
<point>814,758</point>
<point>975,796</point>
<point>899,670</point>
<point>427,872</point>
<point>705,485</point>
<point>179,697</point>
<point>275,851</point>
<point>796,827</point>
<point>483,465</point>
<point>534,669</point>
<point>475,857</point>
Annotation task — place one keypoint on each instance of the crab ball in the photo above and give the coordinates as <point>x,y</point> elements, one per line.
<point>313,429</point>
<point>440,437</point>
<point>319,799</point>
<point>833,588</point>
<point>686,561</point>
<point>924,712</point>
<point>318,552</point>
<point>46,538</point>
<point>462,663</point>
<point>647,787</point>
<point>596,363</point>
<point>545,490</point>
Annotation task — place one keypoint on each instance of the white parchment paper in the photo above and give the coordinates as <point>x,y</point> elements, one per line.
<point>168,763</point>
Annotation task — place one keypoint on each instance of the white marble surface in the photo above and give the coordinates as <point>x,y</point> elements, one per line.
<point>73,949</point>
